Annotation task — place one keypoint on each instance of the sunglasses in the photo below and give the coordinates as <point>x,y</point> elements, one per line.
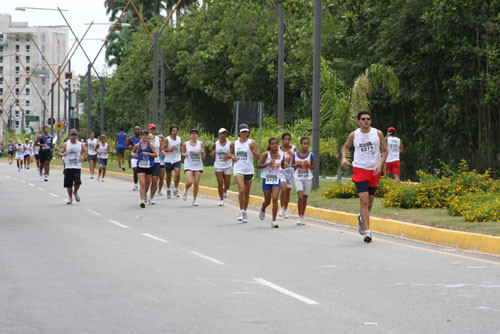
<point>152,128</point>
<point>73,134</point>
<point>365,119</point>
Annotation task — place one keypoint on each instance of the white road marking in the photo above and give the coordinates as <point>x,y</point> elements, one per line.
<point>7,176</point>
<point>23,181</point>
<point>286,292</point>
<point>211,259</point>
<point>93,212</point>
<point>154,237</point>
<point>54,195</point>
<point>39,188</point>
<point>117,223</point>
<point>370,323</point>
<point>31,184</point>
<point>329,266</point>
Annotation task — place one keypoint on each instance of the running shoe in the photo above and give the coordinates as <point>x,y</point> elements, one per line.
<point>91,177</point>
<point>280,211</point>
<point>245,217</point>
<point>160,193</point>
<point>28,167</point>
<point>185,195</point>
<point>285,213</point>
<point>262,214</point>
<point>195,203</point>
<point>176,193</point>
<point>274,224</point>
<point>123,168</point>
<point>225,194</point>
<point>152,201</point>
<point>299,220</point>
<point>102,180</point>
<point>361,229</point>
<point>46,178</point>
<point>98,178</point>
<point>77,197</point>
<point>240,217</point>
<point>69,201</point>
<point>169,193</point>
<point>41,174</point>
<point>135,187</point>
<point>143,205</point>
<point>302,221</point>
<point>221,203</point>
<point>367,236</point>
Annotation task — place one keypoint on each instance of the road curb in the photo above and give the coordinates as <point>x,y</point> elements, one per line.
<point>457,239</point>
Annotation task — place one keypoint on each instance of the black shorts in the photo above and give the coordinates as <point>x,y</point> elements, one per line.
<point>45,156</point>
<point>72,176</point>
<point>103,162</point>
<point>156,169</point>
<point>190,170</point>
<point>11,152</point>
<point>363,187</point>
<point>26,156</point>
<point>169,167</point>
<point>148,171</point>
<point>37,157</point>
<point>92,157</point>
<point>120,150</point>
<point>246,177</point>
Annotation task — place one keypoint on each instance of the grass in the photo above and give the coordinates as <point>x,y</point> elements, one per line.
<point>430,217</point>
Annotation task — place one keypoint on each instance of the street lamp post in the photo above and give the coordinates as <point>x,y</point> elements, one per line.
<point>316,91</point>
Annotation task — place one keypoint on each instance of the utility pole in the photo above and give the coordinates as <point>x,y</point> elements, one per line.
<point>52,109</point>
<point>155,79</point>
<point>162,92</point>
<point>281,60</point>
<point>102,105</point>
<point>58,101</point>
<point>89,97</point>
<point>316,91</point>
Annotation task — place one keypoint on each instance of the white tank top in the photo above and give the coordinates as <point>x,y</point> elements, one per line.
<point>193,159</point>
<point>393,144</point>
<point>175,155</point>
<point>270,173</point>
<point>244,164</point>
<point>366,149</point>
<point>220,153</point>
<point>91,144</point>
<point>102,151</point>
<point>303,173</point>
<point>292,150</point>
<point>72,160</point>
<point>19,148</point>
<point>37,149</point>
<point>157,146</point>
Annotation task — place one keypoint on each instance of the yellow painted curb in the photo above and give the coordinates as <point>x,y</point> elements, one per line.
<point>457,239</point>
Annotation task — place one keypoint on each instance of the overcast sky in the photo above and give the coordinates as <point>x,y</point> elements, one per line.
<point>79,12</point>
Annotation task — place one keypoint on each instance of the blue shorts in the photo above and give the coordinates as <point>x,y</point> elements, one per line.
<point>266,186</point>
<point>169,167</point>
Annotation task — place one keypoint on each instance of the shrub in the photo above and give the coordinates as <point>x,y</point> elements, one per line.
<point>340,189</point>
<point>476,207</point>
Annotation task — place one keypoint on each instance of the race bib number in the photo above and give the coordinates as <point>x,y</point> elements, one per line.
<point>272,179</point>
<point>242,156</point>
<point>144,163</point>
<point>195,157</point>
<point>222,157</point>
<point>302,174</point>
<point>367,147</point>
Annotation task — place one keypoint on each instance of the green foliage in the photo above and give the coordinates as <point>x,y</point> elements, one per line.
<point>476,207</point>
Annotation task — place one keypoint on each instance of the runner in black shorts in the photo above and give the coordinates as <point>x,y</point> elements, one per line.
<point>145,152</point>
<point>46,144</point>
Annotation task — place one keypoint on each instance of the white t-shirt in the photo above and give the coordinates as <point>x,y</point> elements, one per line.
<point>102,151</point>
<point>193,160</point>
<point>366,149</point>
<point>393,144</point>
<point>72,160</point>
<point>157,146</point>
<point>220,153</point>
<point>303,173</point>
<point>270,173</point>
<point>91,144</point>
<point>244,164</point>
<point>174,156</point>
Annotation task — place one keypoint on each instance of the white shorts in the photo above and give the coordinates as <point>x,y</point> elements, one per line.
<point>133,162</point>
<point>19,156</point>
<point>286,176</point>
<point>227,170</point>
<point>303,185</point>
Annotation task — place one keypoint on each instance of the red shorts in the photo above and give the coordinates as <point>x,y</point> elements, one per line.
<point>393,168</point>
<point>363,175</point>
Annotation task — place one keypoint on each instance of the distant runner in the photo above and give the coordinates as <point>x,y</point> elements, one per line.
<point>394,147</point>
<point>223,165</point>
<point>102,149</point>
<point>46,145</point>
<point>194,154</point>
<point>120,144</point>
<point>19,155</point>
<point>145,153</point>
<point>74,153</point>
<point>131,142</point>
<point>172,148</point>
<point>92,153</point>
<point>303,162</point>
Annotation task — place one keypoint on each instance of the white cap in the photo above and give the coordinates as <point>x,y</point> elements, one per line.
<point>221,130</point>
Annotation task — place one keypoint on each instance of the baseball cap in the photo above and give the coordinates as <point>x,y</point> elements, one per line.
<point>391,129</point>
<point>73,131</point>
<point>243,127</point>
<point>193,130</point>
<point>221,130</point>
<point>151,125</point>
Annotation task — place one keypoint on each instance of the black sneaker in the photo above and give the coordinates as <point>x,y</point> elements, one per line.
<point>143,205</point>
<point>361,229</point>
<point>123,168</point>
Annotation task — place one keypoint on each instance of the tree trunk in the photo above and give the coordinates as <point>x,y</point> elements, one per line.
<point>339,167</point>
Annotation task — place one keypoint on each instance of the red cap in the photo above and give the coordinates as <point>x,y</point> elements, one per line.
<point>151,125</point>
<point>391,129</point>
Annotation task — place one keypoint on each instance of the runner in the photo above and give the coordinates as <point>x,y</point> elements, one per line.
<point>394,147</point>
<point>92,153</point>
<point>145,153</point>
<point>102,149</point>
<point>221,150</point>
<point>194,153</point>
<point>367,164</point>
<point>46,144</point>
<point>286,175</point>
<point>19,155</point>
<point>36,151</point>
<point>75,152</point>
<point>162,165</point>
<point>27,153</point>
<point>120,141</point>
<point>303,162</point>
<point>157,166</point>
<point>131,142</point>
<point>271,163</point>
<point>10,150</point>
<point>243,151</point>
<point>172,148</point>
<point>1,148</point>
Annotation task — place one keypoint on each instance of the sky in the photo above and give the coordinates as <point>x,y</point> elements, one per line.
<point>78,13</point>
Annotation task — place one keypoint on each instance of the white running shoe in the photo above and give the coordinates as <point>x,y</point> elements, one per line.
<point>69,201</point>
<point>245,217</point>
<point>285,213</point>
<point>299,220</point>
<point>221,203</point>
<point>152,201</point>
<point>135,187</point>
<point>185,195</point>
<point>240,217</point>
<point>367,236</point>
<point>274,224</point>
<point>46,178</point>
<point>225,194</point>
<point>160,193</point>
<point>302,221</point>
<point>102,180</point>
<point>361,228</point>
<point>262,214</point>
<point>169,193</point>
<point>280,211</point>
<point>195,203</point>
<point>77,197</point>
<point>176,192</point>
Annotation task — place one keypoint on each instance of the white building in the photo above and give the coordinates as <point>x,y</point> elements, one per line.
<point>30,58</point>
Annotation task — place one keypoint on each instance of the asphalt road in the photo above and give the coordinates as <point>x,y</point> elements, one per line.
<point>106,266</point>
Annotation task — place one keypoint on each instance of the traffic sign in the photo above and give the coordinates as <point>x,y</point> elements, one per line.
<point>65,122</point>
<point>32,119</point>
<point>59,126</point>
<point>51,121</point>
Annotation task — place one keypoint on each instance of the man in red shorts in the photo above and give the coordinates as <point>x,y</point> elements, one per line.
<point>395,147</point>
<point>370,152</point>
